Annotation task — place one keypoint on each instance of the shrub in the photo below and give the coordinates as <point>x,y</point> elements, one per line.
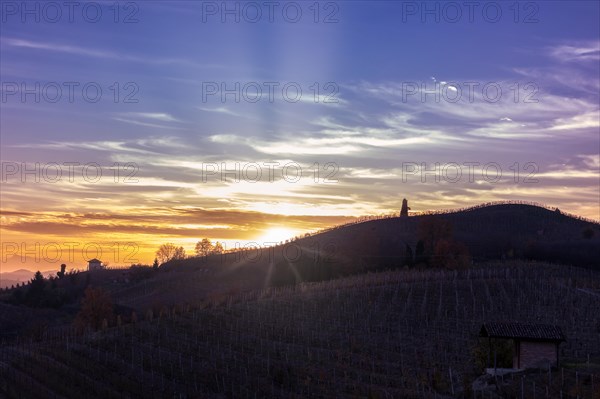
<point>96,307</point>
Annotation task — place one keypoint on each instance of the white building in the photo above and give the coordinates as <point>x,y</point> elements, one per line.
<point>95,264</point>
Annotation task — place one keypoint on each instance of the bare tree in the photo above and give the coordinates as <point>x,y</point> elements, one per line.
<point>169,251</point>
<point>218,248</point>
<point>179,253</point>
<point>204,247</point>
<point>96,307</point>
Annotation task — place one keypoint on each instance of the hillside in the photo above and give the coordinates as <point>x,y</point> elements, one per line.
<point>491,232</point>
<point>509,231</point>
<point>406,333</point>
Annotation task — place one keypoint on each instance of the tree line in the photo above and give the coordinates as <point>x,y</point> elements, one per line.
<point>169,251</point>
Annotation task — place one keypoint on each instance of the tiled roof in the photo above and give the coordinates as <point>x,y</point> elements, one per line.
<point>544,332</point>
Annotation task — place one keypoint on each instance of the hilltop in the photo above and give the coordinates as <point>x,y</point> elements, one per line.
<point>495,232</point>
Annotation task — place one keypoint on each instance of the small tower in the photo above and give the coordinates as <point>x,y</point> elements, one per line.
<point>405,208</point>
<point>61,273</point>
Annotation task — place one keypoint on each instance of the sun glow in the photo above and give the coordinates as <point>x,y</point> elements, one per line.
<point>276,235</point>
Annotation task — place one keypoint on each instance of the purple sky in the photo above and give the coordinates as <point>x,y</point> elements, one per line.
<point>385,87</point>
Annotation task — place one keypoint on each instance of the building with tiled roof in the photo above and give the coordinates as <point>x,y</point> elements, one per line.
<point>535,345</point>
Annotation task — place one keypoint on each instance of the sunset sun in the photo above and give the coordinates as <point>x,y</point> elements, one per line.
<point>276,235</point>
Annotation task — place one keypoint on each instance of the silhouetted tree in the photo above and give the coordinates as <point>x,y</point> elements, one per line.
<point>36,288</point>
<point>169,251</point>
<point>405,208</point>
<point>218,249</point>
<point>179,253</point>
<point>73,274</point>
<point>155,264</point>
<point>17,295</point>
<point>40,292</point>
<point>204,247</point>
<point>588,233</point>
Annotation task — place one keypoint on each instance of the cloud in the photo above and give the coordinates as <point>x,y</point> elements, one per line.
<point>143,118</point>
<point>153,115</point>
<point>591,161</point>
<point>175,222</point>
<point>62,48</point>
<point>152,145</point>
<point>580,121</point>
<point>219,110</point>
<point>95,53</point>
<point>340,144</point>
<point>540,110</point>
<point>110,146</point>
<point>584,51</point>
<point>329,100</point>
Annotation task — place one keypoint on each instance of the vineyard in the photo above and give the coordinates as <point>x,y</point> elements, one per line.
<point>407,333</point>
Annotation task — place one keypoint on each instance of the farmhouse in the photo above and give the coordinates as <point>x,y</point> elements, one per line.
<point>95,264</point>
<point>535,345</point>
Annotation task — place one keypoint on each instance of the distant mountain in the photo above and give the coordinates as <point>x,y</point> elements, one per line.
<point>13,278</point>
<point>17,262</point>
<point>8,279</point>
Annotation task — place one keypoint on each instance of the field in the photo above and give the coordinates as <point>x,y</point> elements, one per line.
<point>404,333</point>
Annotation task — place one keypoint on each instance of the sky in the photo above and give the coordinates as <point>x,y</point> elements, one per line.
<point>127,125</point>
